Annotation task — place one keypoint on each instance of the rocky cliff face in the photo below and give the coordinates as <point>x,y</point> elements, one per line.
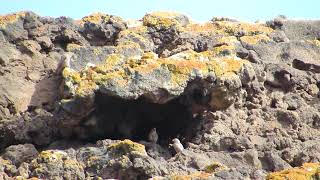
<point>79,98</point>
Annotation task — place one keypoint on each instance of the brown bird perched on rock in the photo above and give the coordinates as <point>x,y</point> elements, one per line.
<point>153,135</point>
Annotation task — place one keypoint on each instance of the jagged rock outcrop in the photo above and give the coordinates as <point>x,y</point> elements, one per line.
<point>236,94</point>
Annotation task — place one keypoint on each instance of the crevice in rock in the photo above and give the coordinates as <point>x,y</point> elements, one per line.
<point>116,118</point>
<point>301,65</point>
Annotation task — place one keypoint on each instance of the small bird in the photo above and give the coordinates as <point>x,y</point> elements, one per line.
<point>65,61</point>
<point>153,135</point>
<point>178,147</point>
<point>90,65</point>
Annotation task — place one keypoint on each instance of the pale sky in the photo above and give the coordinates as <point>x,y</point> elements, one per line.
<point>198,10</point>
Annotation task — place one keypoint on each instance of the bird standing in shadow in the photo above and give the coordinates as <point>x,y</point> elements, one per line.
<point>153,135</point>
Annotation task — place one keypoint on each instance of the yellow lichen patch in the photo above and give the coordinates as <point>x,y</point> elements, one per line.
<point>160,19</point>
<point>112,60</point>
<point>95,18</point>
<point>181,67</point>
<point>184,66</point>
<point>315,42</point>
<point>125,45</point>
<point>308,171</point>
<point>228,30</point>
<point>251,29</point>
<point>71,164</point>
<point>181,70</point>
<point>228,40</point>
<point>83,82</point>
<point>208,28</point>
<point>126,147</point>
<point>136,34</point>
<point>86,87</point>
<point>51,156</point>
<point>223,50</point>
<point>52,159</point>
<point>71,75</point>
<point>137,30</point>
<point>252,40</point>
<point>92,161</point>
<point>96,51</point>
<point>118,77</point>
<point>197,175</point>
<point>72,46</point>
<point>215,167</point>
<point>10,18</point>
<point>248,29</point>
<point>145,68</point>
<point>149,55</point>
<point>225,66</point>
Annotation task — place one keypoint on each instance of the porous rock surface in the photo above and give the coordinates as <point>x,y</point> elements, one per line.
<point>242,97</point>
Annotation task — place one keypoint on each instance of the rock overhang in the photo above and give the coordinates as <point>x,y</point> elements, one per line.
<point>194,80</point>
<point>149,76</point>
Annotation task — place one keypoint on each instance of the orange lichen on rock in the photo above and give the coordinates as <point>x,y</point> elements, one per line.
<point>161,19</point>
<point>247,29</point>
<point>208,28</point>
<point>197,175</point>
<point>98,18</point>
<point>229,28</point>
<point>252,40</point>
<point>181,68</point>
<point>10,18</point>
<point>307,171</point>
<point>95,18</point>
<point>223,50</point>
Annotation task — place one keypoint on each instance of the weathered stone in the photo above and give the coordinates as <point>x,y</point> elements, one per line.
<point>12,27</point>
<point>301,30</point>
<point>30,46</point>
<point>55,164</point>
<point>101,29</point>
<point>18,154</point>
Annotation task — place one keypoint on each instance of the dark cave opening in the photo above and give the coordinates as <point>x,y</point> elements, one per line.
<point>116,118</point>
